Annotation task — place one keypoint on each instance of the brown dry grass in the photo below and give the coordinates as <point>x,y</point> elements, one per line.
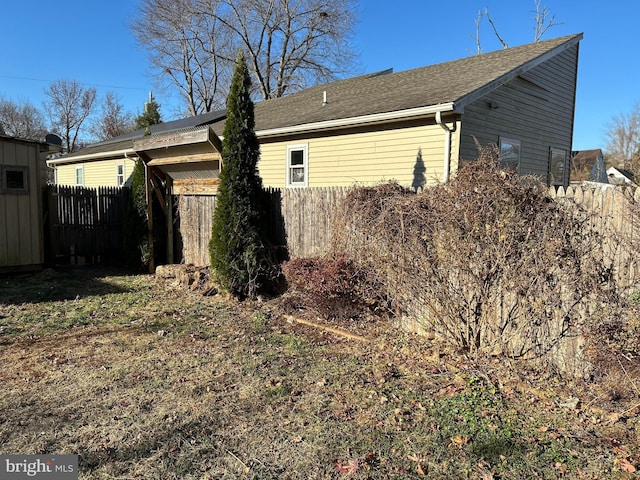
<point>144,380</point>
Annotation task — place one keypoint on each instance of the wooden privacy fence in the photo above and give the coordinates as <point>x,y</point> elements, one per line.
<point>87,224</point>
<point>299,220</point>
<point>84,224</point>
<point>612,213</point>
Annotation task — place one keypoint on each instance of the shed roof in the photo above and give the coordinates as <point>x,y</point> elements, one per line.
<point>124,143</point>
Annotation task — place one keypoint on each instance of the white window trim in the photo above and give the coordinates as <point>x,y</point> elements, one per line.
<point>124,174</point>
<point>304,147</point>
<point>81,168</point>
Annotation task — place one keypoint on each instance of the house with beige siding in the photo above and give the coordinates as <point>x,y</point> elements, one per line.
<point>414,127</point>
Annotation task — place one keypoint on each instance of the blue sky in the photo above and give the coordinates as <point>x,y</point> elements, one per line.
<point>90,42</point>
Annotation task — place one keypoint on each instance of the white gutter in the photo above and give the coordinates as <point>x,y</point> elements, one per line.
<point>91,156</point>
<point>447,145</point>
<point>364,119</point>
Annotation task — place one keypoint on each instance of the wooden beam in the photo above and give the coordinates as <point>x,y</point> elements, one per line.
<point>172,139</point>
<point>195,158</point>
<point>195,181</point>
<point>195,189</point>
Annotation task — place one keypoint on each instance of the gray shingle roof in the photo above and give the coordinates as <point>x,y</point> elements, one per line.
<point>456,81</point>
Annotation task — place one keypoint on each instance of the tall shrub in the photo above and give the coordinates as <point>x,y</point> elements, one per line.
<point>136,239</point>
<point>137,249</point>
<point>238,253</point>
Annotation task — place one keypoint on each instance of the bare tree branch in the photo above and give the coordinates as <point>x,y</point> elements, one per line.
<point>495,30</point>
<point>476,37</point>
<point>22,120</point>
<point>68,106</point>
<point>542,21</point>
<point>623,137</point>
<point>288,44</point>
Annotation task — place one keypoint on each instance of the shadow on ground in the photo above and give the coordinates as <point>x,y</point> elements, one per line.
<point>51,285</point>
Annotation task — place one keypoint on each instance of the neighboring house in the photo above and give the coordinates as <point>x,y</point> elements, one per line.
<point>21,183</point>
<point>620,176</point>
<point>588,166</point>
<point>414,127</point>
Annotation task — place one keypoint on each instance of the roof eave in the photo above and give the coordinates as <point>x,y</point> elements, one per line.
<point>341,123</point>
<point>122,153</point>
<point>507,77</point>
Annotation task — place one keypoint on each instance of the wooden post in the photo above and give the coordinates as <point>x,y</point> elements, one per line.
<point>147,183</point>
<point>169,211</point>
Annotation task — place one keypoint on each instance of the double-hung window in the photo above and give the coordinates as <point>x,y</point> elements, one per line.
<point>558,171</point>
<point>298,165</point>
<point>510,153</point>
<point>120,174</point>
<point>79,175</point>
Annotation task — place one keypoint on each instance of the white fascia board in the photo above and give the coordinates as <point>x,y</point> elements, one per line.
<point>355,121</point>
<point>92,156</point>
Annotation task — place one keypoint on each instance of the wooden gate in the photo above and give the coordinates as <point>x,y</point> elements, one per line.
<point>84,225</point>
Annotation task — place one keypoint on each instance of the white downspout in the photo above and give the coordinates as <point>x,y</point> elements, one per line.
<point>447,145</point>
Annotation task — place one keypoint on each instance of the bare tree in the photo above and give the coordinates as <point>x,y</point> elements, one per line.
<point>113,120</point>
<point>623,137</point>
<point>187,49</point>
<point>21,119</point>
<point>289,44</point>
<point>68,106</point>
<point>543,19</point>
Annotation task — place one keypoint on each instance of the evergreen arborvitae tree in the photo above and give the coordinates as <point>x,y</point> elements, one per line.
<point>238,253</point>
<point>150,115</point>
<point>136,239</point>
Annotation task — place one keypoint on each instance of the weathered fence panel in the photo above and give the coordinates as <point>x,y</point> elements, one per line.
<point>195,217</point>
<point>613,213</point>
<point>307,216</point>
<point>84,225</point>
<point>299,221</point>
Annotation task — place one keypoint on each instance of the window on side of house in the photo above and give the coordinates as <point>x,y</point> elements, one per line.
<point>298,165</point>
<point>15,180</point>
<point>79,175</point>
<point>510,153</point>
<point>558,173</point>
<point>120,174</point>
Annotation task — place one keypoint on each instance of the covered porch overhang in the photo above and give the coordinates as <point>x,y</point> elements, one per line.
<point>182,162</point>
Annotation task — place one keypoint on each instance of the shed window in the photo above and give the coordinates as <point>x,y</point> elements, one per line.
<point>79,175</point>
<point>510,153</point>
<point>120,174</point>
<point>15,180</point>
<point>297,165</point>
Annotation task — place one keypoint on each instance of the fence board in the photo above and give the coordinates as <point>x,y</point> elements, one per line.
<point>614,214</point>
<point>84,224</point>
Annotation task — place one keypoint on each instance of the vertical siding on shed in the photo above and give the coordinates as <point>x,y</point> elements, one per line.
<point>361,156</point>
<point>20,214</point>
<point>540,117</point>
